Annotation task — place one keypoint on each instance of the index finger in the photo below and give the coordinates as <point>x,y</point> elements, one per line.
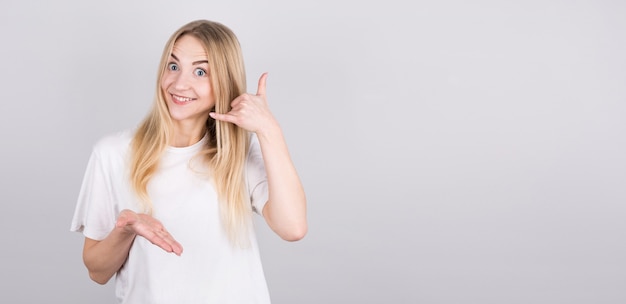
<point>164,240</point>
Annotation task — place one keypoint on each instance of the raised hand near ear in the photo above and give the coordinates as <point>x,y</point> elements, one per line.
<point>249,111</point>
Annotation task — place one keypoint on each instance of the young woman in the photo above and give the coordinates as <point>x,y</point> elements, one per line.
<point>167,207</point>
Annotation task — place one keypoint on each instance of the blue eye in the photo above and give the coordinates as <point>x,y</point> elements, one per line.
<point>172,67</point>
<point>199,72</point>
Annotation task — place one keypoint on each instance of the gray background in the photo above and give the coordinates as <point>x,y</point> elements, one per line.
<point>452,152</point>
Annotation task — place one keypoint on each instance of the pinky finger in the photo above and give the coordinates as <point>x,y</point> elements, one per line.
<point>221,117</point>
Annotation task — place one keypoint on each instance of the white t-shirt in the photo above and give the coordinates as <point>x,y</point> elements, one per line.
<point>209,270</point>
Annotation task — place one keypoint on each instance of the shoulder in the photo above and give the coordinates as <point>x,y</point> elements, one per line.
<point>117,143</point>
<point>254,149</point>
<point>254,160</point>
<point>254,140</point>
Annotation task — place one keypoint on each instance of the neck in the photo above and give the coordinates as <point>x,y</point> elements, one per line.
<point>186,135</point>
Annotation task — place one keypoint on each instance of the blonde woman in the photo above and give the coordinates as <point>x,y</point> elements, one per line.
<point>167,207</point>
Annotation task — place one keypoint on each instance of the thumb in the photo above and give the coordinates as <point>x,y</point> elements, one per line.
<point>262,81</point>
<point>126,218</point>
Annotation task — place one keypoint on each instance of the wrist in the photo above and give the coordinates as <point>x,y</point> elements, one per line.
<point>271,130</point>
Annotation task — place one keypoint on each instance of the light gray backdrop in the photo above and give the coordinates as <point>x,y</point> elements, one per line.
<point>452,151</point>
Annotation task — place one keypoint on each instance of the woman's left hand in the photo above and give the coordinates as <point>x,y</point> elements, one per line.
<point>285,210</point>
<point>249,111</point>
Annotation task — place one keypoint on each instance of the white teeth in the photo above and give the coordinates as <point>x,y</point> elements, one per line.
<point>182,99</point>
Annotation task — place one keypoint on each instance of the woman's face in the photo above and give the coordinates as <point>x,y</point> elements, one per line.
<point>185,83</point>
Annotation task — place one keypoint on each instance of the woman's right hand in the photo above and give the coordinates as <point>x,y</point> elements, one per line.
<point>149,228</point>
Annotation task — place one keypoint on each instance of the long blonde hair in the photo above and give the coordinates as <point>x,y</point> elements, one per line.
<point>228,144</point>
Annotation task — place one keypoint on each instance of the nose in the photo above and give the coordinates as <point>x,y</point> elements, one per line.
<point>182,81</point>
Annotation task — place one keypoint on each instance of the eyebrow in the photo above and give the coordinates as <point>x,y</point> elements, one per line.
<point>194,63</point>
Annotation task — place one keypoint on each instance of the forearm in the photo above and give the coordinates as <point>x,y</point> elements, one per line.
<point>285,210</point>
<point>104,258</point>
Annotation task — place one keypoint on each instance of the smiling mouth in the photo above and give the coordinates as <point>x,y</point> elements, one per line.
<point>180,99</point>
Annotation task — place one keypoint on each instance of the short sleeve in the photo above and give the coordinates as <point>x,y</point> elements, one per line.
<point>95,215</point>
<point>256,176</point>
